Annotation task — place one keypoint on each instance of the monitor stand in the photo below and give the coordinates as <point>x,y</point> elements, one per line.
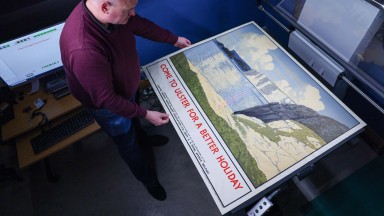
<point>35,86</point>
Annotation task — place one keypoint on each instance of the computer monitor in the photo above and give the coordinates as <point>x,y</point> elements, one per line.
<point>30,57</point>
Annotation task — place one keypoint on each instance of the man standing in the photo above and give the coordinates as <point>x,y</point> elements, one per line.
<point>98,51</point>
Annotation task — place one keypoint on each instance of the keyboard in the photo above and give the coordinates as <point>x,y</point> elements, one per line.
<point>59,132</point>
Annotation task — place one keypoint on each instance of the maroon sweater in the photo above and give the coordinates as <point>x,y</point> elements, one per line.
<point>102,64</point>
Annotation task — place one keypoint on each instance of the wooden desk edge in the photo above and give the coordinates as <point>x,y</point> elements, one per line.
<point>20,124</point>
<point>26,156</point>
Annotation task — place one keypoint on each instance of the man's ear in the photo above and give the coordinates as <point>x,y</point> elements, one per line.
<point>105,5</point>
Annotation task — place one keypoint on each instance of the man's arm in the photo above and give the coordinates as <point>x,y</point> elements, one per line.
<point>93,72</point>
<point>147,29</point>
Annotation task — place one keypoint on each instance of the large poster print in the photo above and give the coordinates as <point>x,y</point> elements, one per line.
<point>249,115</point>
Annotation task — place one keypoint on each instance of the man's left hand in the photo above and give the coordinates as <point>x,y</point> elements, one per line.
<point>182,42</point>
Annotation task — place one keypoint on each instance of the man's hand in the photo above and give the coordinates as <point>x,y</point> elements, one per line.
<point>182,42</point>
<point>157,118</point>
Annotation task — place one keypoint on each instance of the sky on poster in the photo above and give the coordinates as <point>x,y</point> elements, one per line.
<point>264,56</point>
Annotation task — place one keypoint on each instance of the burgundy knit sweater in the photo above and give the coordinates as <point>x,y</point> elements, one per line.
<point>102,64</point>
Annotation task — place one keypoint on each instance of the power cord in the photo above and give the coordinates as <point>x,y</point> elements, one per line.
<point>33,112</point>
<point>44,119</point>
<point>149,100</point>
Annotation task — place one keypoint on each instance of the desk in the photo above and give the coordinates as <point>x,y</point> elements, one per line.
<point>21,130</point>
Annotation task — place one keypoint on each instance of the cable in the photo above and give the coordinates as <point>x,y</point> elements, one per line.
<point>44,119</point>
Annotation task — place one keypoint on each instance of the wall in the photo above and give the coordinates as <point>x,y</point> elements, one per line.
<point>194,19</point>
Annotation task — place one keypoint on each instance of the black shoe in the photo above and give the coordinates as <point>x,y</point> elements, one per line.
<point>156,140</point>
<point>157,191</point>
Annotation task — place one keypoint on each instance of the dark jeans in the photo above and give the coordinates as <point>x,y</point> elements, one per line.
<point>127,135</point>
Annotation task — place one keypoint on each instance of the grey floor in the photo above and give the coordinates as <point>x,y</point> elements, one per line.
<point>95,181</point>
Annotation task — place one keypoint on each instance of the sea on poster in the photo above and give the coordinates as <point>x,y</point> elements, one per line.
<point>248,114</point>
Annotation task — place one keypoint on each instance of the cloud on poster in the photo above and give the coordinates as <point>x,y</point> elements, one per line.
<point>309,97</point>
<point>257,48</point>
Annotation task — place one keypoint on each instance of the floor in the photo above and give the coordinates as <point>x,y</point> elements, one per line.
<point>95,181</point>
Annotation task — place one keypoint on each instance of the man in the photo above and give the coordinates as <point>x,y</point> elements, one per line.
<point>99,55</point>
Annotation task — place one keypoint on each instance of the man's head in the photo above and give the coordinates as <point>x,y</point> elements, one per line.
<point>112,11</point>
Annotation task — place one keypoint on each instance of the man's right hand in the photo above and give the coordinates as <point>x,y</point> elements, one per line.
<point>157,118</point>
